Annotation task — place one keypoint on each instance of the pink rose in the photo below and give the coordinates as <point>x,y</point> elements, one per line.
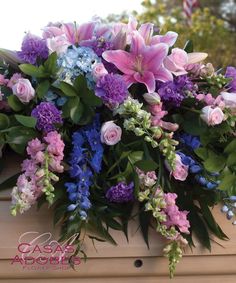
<point>58,44</point>
<point>178,61</point>
<point>98,71</point>
<point>229,100</point>
<point>181,171</point>
<point>23,90</point>
<point>212,116</point>
<point>110,133</point>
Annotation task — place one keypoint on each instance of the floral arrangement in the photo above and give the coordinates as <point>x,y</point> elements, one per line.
<point>108,116</point>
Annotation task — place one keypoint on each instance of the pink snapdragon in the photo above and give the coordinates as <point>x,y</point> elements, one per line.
<point>157,114</point>
<point>147,179</point>
<point>175,217</point>
<point>38,172</point>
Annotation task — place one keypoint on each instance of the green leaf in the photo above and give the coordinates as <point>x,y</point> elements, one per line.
<point>33,71</point>
<point>202,153</point>
<point>9,182</point>
<point>42,89</point>
<point>90,99</point>
<point>76,109</point>
<point>18,137</point>
<point>227,182</point>
<point>51,64</point>
<point>88,96</point>
<point>188,47</point>
<point>135,156</point>
<point>4,121</point>
<point>194,125</point>
<point>123,155</point>
<point>144,220</point>
<point>214,162</point>
<point>199,227</point>
<point>147,165</point>
<point>68,89</point>
<point>14,103</point>
<point>213,226</point>
<point>26,121</point>
<point>231,147</point>
<point>231,160</point>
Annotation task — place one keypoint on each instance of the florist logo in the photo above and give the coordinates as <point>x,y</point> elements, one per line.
<point>41,252</point>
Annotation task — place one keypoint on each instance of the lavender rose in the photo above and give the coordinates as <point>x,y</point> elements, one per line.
<point>110,133</point>
<point>23,90</point>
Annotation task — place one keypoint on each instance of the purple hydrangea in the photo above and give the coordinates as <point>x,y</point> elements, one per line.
<point>47,116</point>
<point>112,89</point>
<point>231,73</point>
<point>121,193</point>
<point>173,93</point>
<point>33,48</point>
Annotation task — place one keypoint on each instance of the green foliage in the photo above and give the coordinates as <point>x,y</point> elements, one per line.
<point>26,121</point>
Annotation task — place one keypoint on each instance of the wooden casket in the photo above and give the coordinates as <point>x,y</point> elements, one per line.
<point>127,262</point>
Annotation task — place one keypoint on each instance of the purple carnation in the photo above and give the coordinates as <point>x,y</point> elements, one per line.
<point>231,73</point>
<point>47,116</point>
<point>112,89</point>
<point>33,48</point>
<point>121,193</point>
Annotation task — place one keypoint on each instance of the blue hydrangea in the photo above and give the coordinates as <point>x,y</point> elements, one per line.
<point>85,160</point>
<point>77,61</point>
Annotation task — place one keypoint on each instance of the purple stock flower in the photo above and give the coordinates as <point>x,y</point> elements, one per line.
<point>112,89</point>
<point>173,93</point>
<point>120,193</point>
<point>170,95</point>
<point>231,73</point>
<point>47,116</point>
<point>100,45</point>
<point>33,48</point>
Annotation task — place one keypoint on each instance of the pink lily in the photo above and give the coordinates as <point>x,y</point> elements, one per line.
<point>76,35</point>
<point>143,64</point>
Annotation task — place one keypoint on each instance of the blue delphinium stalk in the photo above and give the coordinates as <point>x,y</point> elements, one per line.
<point>85,160</point>
<point>193,142</point>
<point>196,169</point>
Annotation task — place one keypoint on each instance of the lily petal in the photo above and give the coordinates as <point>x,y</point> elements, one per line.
<point>129,79</point>
<point>163,75</point>
<point>69,30</point>
<point>123,60</point>
<point>146,31</point>
<point>196,57</point>
<point>169,38</point>
<point>137,43</point>
<point>85,31</point>
<point>146,78</point>
<point>153,57</point>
